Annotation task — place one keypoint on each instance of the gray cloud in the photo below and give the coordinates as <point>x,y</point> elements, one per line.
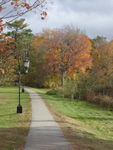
<point>94,16</point>
<point>86,6</point>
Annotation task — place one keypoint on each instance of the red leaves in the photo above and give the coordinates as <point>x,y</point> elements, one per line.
<point>1,23</point>
<point>1,28</point>
<point>12,3</point>
<point>44,13</point>
<point>42,18</point>
<point>27,6</point>
<point>1,8</point>
<point>69,53</point>
<point>24,4</point>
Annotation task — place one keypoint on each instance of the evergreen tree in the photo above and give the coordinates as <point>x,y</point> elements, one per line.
<point>21,35</point>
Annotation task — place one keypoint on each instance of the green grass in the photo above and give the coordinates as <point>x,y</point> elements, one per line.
<point>13,127</point>
<point>93,123</point>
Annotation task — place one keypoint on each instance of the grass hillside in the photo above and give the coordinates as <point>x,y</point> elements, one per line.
<point>90,126</point>
<point>13,127</point>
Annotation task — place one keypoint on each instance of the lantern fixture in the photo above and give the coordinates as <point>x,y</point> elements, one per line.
<point>26,65</point>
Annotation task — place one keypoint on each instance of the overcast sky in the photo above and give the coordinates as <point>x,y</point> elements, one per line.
<point>93,16</point>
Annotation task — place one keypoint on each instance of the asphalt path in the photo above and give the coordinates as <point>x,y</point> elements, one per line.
<point>44,134</point>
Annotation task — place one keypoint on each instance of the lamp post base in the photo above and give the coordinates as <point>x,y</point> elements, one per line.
<point>19,109</point>
<point>22,90</point>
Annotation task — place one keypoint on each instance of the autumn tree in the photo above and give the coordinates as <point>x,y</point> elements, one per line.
<point>102,70</point>
<point>6,50</point>
<point>97,86</point>
<point>69,52</point>
<point>100,76</point>
<point>36,76</point>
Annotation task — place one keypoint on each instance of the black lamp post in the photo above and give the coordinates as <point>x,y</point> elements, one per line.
<point>26,65</point>
<point>19,107</point>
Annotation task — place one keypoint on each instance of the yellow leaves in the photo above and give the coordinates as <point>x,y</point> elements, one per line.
<point>83,69</point>
<point>75,77</point>
<point>110,47</point>
<point>37,41</point>
<point>59,49</point>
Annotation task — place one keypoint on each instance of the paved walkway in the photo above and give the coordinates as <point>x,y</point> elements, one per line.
<point>44,133</point>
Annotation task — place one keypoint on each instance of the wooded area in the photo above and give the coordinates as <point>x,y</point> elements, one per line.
<point>64,59</point>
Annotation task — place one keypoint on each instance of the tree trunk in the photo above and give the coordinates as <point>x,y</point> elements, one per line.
<point>72,96</point>
<point>62,78</point>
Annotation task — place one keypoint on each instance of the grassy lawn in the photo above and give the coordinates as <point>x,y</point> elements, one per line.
<point>13,127</point>
<point>91,127</point>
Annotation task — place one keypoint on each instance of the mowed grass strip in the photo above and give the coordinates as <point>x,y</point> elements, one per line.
<point>13,127</point>
<point>91,126</point>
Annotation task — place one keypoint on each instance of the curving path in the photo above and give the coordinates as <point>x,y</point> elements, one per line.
<point>44,133</point>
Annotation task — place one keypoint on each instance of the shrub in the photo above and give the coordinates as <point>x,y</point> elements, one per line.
<point>103,100</point>
<point>61,91</point>
<point>71,89</point>
<point>91,97</point>
<point>106,101</point>
<point>52,92</point>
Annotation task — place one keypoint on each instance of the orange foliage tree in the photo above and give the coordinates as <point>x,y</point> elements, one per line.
<point>5,51</point>
<point>36,76</point>
<point>69,52</point>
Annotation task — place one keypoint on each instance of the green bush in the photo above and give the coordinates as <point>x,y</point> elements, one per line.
<point>52,92</point>
<point>61,91</point>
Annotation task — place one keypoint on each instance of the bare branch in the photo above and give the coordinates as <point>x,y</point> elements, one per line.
<point>21,8</point>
